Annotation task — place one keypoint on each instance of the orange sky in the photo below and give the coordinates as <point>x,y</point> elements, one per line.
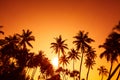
<point>50,18</point>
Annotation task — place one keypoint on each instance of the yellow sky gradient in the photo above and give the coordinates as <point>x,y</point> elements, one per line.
<point>50,18</point>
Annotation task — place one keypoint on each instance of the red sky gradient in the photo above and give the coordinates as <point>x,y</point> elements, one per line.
<point>51,18</point>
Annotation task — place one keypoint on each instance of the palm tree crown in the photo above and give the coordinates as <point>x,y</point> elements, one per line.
<point>102,71</point>
<point>59,45</point>
<point>26,38</point>
<point>82,40</point>
<point>64,60</point>
<point>82,43</point>
<point>73,54</point>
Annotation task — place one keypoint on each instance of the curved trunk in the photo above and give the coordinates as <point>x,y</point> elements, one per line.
<point>118,66</point>
<point>110,68</point>
<point>81,66</point>
<point>102,77</point>
<point>118,75</point>
<point>58,59</point>
<point>88,73</point>
<point>73,69</point>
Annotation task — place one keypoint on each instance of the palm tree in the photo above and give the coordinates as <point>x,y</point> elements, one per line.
<point>112,49</point>
<point>91,53</point>
<point>59,46</point>
<point>73,55</point>
<point>82,43</point>
<point>64,61</point>
<point>102,71</point>
<point>26,37</point>
<point>89,62</point>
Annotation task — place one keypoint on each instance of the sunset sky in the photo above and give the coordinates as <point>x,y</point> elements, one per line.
<point>50,18</point>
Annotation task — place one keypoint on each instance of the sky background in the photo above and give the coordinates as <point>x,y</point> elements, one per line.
<point>48,19</point>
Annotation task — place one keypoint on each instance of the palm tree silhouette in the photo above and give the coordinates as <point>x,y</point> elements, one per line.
<point>102,71</point>
<point>59,46</point>
<point>112,49</point>
<point>82,43</point>
<point>89,62</point>
<point>26,37</point>
<point>73,55</point>
<point>64,61</point>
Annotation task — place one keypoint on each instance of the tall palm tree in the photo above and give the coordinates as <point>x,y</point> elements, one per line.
<point>102,71</point>
<point>59,46</point>
<point>73,55</point>
<point>26,37</point>
<point>89,62</point>
<point>82,43</point>
<point>112,49</point>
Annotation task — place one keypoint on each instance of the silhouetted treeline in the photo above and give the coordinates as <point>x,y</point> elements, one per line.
<point>16,60</point>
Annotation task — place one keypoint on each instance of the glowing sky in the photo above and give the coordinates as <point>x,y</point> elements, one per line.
<point>49,19</point>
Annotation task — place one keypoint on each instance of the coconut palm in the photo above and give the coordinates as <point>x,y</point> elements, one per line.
<point>73,55</point>
<point>82,43</point>
<point>26,37</point>
<point>64,61</point>
<point>112,49</point>
<point>102,71</point>
<point>59,46</point>
<point>91,53</point>
<point>89,62</point>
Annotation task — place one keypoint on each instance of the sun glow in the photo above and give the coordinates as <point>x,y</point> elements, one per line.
<point>55,62</point>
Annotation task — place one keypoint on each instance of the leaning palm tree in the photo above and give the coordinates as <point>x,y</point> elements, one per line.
<point>26,37</point>
<point>89,62</point>
<point>59,46</point>
<point>82,43</point>
<point>102,71</point>
<point>112,49</point>
<point>73,55</point>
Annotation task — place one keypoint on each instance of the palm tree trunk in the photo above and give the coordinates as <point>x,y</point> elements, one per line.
<point>102,77</point>
<point>58,59</point>
<point>88,73</point>
<point>118,66</point>
<point>80,66</point>
<point>118,75</point>
<point>73,69</point>
<point>110,68</point>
